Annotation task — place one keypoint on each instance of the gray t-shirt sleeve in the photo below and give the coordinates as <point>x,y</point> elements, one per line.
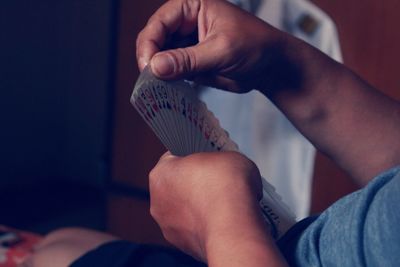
<point>361,229</point>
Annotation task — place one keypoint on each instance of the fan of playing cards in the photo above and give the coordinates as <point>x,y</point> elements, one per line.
<point>185,126</point>
<point>180,120</point>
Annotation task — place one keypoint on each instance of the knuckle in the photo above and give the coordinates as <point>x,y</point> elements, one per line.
<point>167,236</point>
<point>138,47</point>
<point>224,42</point>
<point>139,38</point>
<point>191,59</point>
<point>190,8</point>
<point>154,25</point>
<point>156,210</point>
<point>153,212</point>
<point>153,177</point>
<point>167,233</point>
<point>187,60</point>
<point>226,45</point>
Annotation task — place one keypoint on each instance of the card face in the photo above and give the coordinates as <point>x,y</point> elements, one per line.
<point>180,120</point>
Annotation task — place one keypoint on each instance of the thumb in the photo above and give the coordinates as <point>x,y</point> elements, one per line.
<point>184,62</point>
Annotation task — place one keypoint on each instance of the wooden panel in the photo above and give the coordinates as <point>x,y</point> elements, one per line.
<point>54,70</point>
<point>130,219</point>
<point>135,148</point>
<point>369,38</point>
<point>370,44</point>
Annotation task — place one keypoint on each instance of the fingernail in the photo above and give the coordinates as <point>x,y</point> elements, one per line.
<point>163,65</point>
<point>143,63</point>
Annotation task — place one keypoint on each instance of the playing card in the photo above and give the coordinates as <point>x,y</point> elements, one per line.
<point>184,125</point>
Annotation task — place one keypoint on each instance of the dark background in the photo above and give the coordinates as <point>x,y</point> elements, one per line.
<point>56,87</point>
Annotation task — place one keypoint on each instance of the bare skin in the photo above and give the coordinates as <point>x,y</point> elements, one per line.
<point>222,229</point>
<point>62,247</point>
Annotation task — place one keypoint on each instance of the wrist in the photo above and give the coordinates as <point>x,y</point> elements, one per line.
<point>302,81</point>
<point>232,235</point>
<point>285,67</point>
<point>247,245</point>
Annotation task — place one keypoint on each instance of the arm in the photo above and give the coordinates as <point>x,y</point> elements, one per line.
<point>340,114</point>
<point>343,116</point>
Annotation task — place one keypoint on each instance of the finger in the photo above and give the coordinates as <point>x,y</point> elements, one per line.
<point>206,56</point>
<point>150,40</point>
<point>162,168</point>
<point>166,157</point>
<point>174,16</point>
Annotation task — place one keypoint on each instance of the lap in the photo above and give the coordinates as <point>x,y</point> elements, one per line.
<point>62,247</point>
<point>78,247</point>
<point>123,254</point>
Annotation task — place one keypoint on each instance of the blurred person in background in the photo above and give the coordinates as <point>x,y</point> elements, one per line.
<point>284,157</point>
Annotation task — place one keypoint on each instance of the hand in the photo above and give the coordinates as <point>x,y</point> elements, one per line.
<point>207,198</point>
<point>233,51</point>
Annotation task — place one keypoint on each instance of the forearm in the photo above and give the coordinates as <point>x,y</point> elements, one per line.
<point>354,124</point>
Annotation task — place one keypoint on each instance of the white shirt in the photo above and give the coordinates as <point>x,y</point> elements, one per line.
<point>262,132</point>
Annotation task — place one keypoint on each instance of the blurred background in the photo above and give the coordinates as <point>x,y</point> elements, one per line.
<point>73,152</point>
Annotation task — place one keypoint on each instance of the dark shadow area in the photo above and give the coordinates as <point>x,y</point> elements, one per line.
<point>41,208</point>
<point>56,91</point>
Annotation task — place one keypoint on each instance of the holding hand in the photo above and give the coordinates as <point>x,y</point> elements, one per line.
<point>233,51</point>
<point>238,52</point>
<point>206,195</point>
